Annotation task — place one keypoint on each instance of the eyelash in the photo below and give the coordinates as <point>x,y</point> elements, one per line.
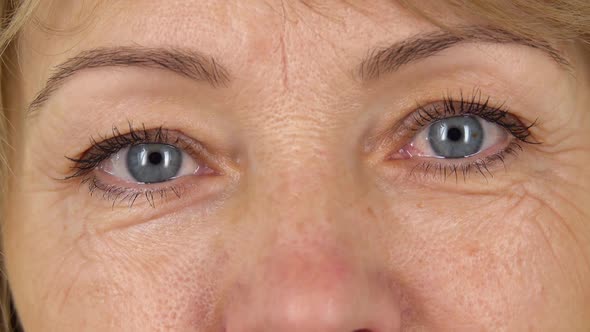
<point>439,170</point>
<point>104,148</point>
<point>476,105</point>
<point>117,194</point>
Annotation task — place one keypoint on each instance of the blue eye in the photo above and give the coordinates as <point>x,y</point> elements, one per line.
<point>456,137</point>
<point>151,163</point>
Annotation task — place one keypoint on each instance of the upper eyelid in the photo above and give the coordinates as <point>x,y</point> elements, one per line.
<point>396,132</point>
<point>103,148</point>
<point>477,105</point>
<point>448,99</point>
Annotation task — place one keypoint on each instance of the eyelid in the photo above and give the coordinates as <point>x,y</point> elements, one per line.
<point>477,105</point>
<point>114,188</point>
<point>104,147</point>
<point>128,194</point>
<point>391,143</point>
<point>423,114</point>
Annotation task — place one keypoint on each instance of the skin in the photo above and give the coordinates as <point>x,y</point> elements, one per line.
<point>308,224</point>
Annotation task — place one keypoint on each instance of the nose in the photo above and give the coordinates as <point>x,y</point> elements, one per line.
<point>311,261</point>
<point>313,289</point>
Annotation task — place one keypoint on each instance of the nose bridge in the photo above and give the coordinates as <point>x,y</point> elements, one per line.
<point>312,269</point>
<point>304,168</point>
<point>303,190</point>
<point>307,215</point>
<point>299,200</point>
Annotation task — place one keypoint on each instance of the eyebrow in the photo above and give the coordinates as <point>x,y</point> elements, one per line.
<point>199,67</point>
<point>385,60</point>
<point>187,63</point>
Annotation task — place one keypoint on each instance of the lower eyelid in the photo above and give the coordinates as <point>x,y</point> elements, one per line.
<point>424,171</point>
<point>124,194</point>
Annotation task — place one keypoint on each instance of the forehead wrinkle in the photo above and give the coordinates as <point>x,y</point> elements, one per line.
<point>291,10</point>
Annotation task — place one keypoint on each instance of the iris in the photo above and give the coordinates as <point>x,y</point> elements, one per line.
<point>153,163</point>
<point>456,137</point>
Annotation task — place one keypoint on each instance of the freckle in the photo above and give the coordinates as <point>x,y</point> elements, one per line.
<point>420,205</point>
<point>300,226</point>
<point>472,250</point>
<point>371,212</point>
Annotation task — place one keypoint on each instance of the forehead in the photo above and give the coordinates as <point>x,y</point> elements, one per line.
<point>228,29</point>
<point>273,37</point>
<point>61,14</point>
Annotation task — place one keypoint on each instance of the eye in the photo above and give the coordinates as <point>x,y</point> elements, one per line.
<point>455,138</point>
<point>147,163</point>
<point>150,163</point>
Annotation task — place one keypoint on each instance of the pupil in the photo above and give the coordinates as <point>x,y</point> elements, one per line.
<point>155,158</point>
<point>455,134</point>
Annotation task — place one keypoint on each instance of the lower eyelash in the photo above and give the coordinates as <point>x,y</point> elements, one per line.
<point>439,170</point>
<point>120,195</point>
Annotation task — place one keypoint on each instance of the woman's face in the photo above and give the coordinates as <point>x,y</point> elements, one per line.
<point>277,166</point>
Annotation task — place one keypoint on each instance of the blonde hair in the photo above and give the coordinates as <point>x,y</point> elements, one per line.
<point>559,20</point>
<point>13,14</point>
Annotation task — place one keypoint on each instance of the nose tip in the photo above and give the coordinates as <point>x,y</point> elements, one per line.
<point>306,293</point>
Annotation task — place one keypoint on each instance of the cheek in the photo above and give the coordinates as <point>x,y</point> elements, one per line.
<point>162,283</point>
<point>136,278</point>
<point>480,262</point>
<point>158,282</point>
